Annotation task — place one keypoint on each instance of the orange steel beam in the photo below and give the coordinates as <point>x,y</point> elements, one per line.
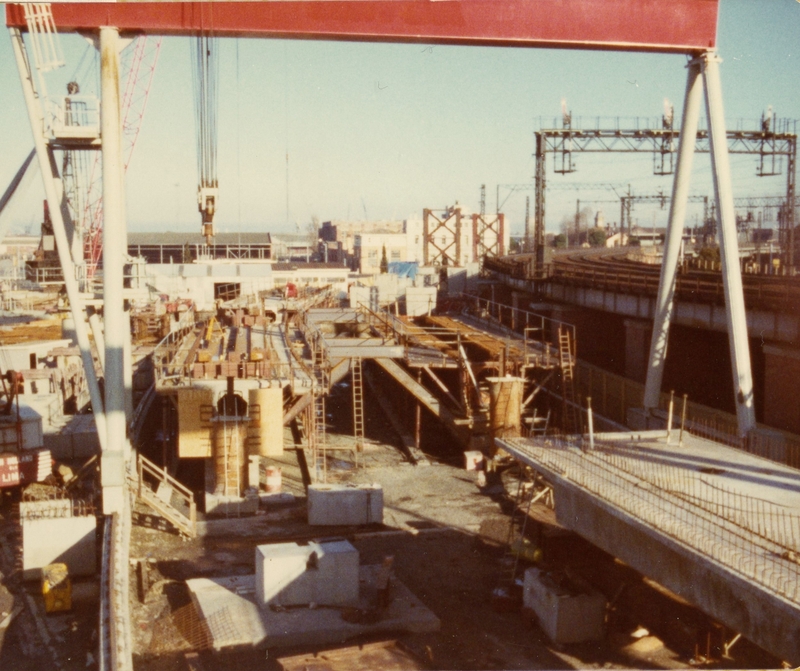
<point>672,26</point>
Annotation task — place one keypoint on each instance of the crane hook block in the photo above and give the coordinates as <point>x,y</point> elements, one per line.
<point>206,203</point>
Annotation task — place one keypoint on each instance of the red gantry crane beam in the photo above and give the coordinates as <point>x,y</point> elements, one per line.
<point>671,26</point>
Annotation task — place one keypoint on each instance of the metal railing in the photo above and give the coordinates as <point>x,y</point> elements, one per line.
<point>115,652</point>
<point>72,117</point>
<point>180,508</point>
<point>754,538</point>
<point>613,395</point>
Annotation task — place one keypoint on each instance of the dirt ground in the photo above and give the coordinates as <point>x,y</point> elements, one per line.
<point>447,535</point>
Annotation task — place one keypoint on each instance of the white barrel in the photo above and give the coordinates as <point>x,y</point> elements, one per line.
<point>273,479</point>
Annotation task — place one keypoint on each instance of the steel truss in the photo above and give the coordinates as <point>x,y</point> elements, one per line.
<point>769,143</point>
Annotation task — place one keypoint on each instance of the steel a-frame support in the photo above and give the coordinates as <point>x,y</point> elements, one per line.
<point>704,74</point>
<point>109,411</point>
<point>59,214</point>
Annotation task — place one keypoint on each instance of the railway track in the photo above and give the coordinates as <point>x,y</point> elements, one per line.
<point>613,270</point>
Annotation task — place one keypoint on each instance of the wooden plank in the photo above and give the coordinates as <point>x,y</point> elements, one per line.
<point>384,655</point>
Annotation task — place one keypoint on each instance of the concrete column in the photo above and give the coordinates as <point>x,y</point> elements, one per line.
<point>50,178</point>
<point>266,434</point>
<point>729,248</point>
<point>672,245</point>
<point>637,333</point>
<point>782,387</point>
<point>114,236</point>
<point>505,408</point>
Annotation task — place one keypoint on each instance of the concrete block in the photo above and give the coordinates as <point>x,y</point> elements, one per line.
<point>333,505</point>
<point>59,538</point>
<point>324,573</point>
<point>473,460</point>
<point>228,506</point>
<point>568,612</point>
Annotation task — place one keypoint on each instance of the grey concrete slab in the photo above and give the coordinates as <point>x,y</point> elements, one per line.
<point>716,525</point>
<point>227,605</point>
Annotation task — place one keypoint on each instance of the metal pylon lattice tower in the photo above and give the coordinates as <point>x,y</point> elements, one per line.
<point>488,236</point>
<point>441,237</point>
<point>138,66</point>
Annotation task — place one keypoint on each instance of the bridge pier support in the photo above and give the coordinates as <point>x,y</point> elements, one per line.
<point>637,337</point>
<point>782,387</point>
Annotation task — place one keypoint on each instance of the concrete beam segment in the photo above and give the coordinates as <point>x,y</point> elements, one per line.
<point>364,348</point>
<point>53,190</point>
<point>114,251</point>
<point>729,247</point>
<point>672,248</point>
<point>762,615</point>
<point>773,326</point>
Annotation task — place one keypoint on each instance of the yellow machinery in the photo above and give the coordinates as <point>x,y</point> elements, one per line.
<point>56,588</point>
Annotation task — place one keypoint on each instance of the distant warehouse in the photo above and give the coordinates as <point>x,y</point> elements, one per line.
<point>187,247</point>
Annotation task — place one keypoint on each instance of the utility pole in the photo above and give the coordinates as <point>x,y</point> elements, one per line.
<point>526,243</point>
<point>578,222</point>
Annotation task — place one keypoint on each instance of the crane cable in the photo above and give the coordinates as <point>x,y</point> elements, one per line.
<point>205,77</point>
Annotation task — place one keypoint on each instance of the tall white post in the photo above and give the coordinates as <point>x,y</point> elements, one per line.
<point>50,181</point>
<point>729,248</point>
<point>672,245</point>
<point>113,463</point>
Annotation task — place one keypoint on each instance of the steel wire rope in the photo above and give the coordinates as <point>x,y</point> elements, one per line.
<point>205,76</point>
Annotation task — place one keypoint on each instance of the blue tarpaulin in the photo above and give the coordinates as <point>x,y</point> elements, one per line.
<point>404,269</point>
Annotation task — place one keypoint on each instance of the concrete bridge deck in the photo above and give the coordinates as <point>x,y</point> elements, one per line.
<point>717,526</point>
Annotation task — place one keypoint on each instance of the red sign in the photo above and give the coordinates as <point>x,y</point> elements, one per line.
<point>683,26</point>
<point>24,468</point>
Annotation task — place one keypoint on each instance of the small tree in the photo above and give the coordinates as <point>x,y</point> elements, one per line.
<point>384,261</point>
<point>560,241</point>
<point>596,237</point>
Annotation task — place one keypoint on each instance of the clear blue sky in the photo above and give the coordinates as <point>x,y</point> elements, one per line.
<point>390,129</point>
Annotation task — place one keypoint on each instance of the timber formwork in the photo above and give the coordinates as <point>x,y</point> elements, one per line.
<point>443,363</point>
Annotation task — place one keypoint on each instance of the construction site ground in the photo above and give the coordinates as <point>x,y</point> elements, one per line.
<point>448,539</point>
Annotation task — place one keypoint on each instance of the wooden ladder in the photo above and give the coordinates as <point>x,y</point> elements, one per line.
<point>358,403</point>
<point>318,419</point>
<point>571,422</point>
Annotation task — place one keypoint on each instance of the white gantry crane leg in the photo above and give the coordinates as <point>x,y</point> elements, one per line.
<point>729,248</point>
<point>114,251</point>
<point>672,247</point>
<point>704,70</point>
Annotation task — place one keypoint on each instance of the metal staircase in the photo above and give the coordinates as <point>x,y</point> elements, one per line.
<point>571,419</point>
<point>165,495</point>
